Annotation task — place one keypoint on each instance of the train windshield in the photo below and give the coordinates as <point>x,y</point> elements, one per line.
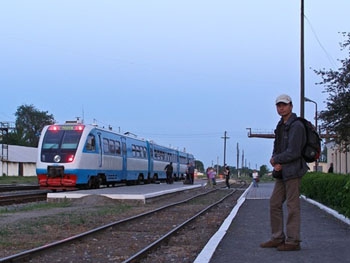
<point>59,138</point>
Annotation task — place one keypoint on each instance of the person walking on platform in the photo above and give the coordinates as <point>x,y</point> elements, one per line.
<point>211,176</point>
<point>208,173</point>
<point>288,169</point>
<point>227,176</point>
<point>190,173</point>
<point>169,173</point>
<point>255,178</point>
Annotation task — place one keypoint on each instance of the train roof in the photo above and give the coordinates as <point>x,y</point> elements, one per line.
<point>125,134</point>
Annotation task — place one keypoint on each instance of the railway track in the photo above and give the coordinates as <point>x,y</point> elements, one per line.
<point>11,188</point>
<point>139,238</point>
<point>23,196</point>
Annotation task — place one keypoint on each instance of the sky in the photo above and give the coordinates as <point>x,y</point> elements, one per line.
<point>180,73</point>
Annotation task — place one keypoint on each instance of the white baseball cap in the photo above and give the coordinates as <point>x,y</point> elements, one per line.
<point>284,98</point>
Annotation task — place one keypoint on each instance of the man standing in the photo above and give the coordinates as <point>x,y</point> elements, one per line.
<point>190,172</point>
<point>227,176</point>
<point>289,167</point>
<point>169,173</point>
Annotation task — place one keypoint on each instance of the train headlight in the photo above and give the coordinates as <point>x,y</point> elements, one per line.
<point>70,158</point>
<point>57,158</point>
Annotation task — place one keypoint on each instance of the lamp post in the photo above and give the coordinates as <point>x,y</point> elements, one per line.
<point>308,100</point>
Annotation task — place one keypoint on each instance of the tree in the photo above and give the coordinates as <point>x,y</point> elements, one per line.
<point>29,123</point>
<point>263,170</point>
<point>336,117</point>
<point>199,166</point>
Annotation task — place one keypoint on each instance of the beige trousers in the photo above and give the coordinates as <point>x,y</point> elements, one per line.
<point>289,192</point>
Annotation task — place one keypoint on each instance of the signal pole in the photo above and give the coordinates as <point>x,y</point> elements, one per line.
<point>237,160</point>
<point>225,138</point>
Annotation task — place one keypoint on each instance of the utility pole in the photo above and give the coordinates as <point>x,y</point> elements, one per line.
<point>242,159</point>
<point>217,165</point>
<point>302,74</point>
<point>225,138</point>
<point>237,160</point>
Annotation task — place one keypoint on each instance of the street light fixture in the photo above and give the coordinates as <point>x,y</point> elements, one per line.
<point>308,100</point>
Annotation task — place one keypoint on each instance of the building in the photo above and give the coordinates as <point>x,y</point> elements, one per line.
<point>340,159</point>
<point>17,160</point>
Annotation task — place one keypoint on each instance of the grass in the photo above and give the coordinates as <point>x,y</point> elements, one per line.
<point>33,207</point>
<point>5,179</point>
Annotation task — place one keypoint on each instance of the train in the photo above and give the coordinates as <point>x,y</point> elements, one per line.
<point>75,155</point>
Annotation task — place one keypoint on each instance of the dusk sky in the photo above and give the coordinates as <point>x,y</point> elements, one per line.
<point>178,72</point>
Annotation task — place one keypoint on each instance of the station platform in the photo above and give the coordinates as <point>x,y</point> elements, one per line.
<point>140,193</point>
<point>325,234</point>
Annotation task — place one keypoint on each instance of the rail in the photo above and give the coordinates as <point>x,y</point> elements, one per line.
<point>125,222</point>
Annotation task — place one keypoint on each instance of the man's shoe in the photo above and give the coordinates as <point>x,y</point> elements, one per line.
<point>288,247</point>
<point>272,243</point>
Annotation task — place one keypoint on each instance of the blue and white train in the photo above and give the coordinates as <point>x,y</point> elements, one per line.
<point>75,155</point>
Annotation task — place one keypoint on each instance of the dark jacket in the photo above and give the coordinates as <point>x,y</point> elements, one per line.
<point>290,138</point>
<point>169,169</point>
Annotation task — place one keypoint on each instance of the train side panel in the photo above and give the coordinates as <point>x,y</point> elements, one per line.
<point>137,159</point>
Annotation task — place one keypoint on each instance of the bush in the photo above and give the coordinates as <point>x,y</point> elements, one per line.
<point>332,190</point>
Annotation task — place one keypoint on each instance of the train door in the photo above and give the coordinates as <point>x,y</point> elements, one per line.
<point>150,161</point>
<point>124,156</point>
<point>178,160</point>
<point>100,149</point>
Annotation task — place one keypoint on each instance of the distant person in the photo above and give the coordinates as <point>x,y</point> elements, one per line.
<point>169,173</point>
<point>227,176</point>
<point>255,178</point>
<point>212,175</point>
<point>190,173</point>
<point>288,168</point>
<point>208,173</point>
<point>330,169</point>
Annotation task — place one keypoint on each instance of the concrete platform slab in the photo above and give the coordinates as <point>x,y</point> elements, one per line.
<point>136,192</point>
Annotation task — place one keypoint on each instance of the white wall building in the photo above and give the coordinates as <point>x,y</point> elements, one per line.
<point>340,160</point>
<point>17,160</point>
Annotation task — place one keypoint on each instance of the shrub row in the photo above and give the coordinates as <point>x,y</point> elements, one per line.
<point>332,190</point>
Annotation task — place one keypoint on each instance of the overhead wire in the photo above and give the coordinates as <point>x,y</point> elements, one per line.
<point>329,57</point>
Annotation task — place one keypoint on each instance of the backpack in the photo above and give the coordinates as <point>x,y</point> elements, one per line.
<point>312,149</point>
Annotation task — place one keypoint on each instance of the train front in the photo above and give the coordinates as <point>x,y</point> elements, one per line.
<point>57,154</point>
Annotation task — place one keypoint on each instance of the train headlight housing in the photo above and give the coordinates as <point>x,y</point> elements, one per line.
<point>57,158</point>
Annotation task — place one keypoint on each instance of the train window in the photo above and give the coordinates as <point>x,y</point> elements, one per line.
<point>50,145</point>
<point>144,150</point>
<point>133,150</point>
<point>141,152</point>
<point>137,151</point>
<point>105,145</point>
<point>111,146</point>
<point>52,140</point>
<point>117,147</point>
<point>90,143</point>
<point>70,140</point>
<point>157,155</point>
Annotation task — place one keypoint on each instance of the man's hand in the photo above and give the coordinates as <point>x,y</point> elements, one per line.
<point>277,167</point>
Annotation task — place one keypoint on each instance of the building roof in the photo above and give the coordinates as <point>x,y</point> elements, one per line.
<point>19,154</point>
